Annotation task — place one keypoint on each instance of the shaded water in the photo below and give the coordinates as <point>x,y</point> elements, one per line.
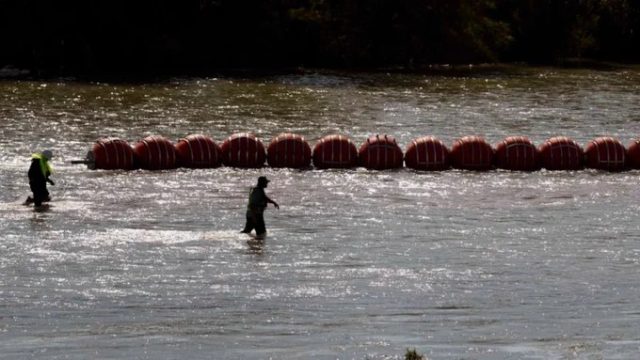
<point>358,264</point>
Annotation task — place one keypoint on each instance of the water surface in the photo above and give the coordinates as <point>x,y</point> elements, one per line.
<point>358,264</point>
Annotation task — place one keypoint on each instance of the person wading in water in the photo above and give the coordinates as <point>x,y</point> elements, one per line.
<point>39,173</point>
<point>258,201</point>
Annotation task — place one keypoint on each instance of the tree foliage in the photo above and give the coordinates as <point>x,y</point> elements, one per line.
<point>112,36</point>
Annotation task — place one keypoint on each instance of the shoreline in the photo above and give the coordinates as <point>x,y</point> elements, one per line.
<point>9,72</point>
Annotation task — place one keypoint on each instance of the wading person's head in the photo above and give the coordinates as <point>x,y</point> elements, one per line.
<point>47,154</point>
<point>263,182</point>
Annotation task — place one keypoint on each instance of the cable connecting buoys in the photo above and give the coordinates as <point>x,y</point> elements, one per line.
<point>561,153</point>
<point>605,153</point>
<point>633,154</point>
<point>472,153</point>
<point>289,150</point>
<point>198,151</point>
<point>110,154</point>
<point>335,151</point>
<point>517,153</point>
<point>243,150</point>
<point>427,153</point>
<point>155,153</point>
<point>380,152</point>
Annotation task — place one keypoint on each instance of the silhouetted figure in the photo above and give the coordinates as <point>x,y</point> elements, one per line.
<point>258,201</point>
<point>39,173</point>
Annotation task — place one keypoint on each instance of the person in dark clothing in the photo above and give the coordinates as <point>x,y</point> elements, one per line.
<point>258,201</point>
<point>39,173</point>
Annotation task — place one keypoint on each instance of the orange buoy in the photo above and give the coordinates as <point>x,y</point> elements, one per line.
<point>517,153</point>
<point>380,152</point>
<point>561,153</point>
<point>198,151</point>
<point>243,150</point>
<point>605,153</point>
<point>472,153</point>
<point>633,154</point>
<point>289,150</point>
<point>427,153</point>
<point>335,151</point>
<point>111,154</point>
<point>155,153</point>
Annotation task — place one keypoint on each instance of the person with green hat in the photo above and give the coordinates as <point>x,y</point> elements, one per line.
<point>258,201</point>
<point>39,173</point>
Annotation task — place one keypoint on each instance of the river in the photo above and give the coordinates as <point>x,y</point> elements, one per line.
<point>358,264</point>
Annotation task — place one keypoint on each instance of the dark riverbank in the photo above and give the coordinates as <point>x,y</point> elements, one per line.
<point>442,70</point>
<point>147,39</point>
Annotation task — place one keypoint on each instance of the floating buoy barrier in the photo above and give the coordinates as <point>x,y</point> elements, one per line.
<point>243,150</point>
<point>472,153</point>
<point>198,151</point>
<point>561,153</point>
<point>380,152</point>
<point>109,154</point>
<point>633,154</point>
<point>289,151</point>
<point>605,153</point>
<point>155,153</point>
<point>335,151</point>
<point>517,153</point>
<point>427,153</point>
